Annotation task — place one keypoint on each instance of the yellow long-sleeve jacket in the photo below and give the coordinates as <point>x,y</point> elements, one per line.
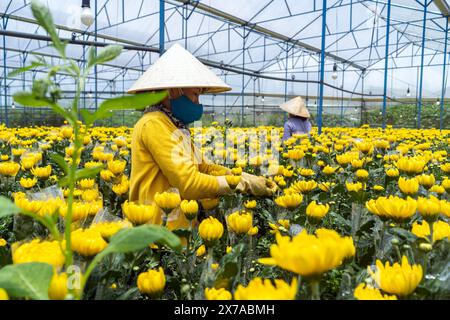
<point>160,161</point>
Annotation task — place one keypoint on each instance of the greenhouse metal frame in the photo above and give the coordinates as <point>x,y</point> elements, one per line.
<point>323,50</point>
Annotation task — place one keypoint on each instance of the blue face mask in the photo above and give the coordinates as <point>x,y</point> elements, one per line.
<point>185,110</point>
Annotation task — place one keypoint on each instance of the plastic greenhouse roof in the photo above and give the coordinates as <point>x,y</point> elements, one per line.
<point>356,34</point>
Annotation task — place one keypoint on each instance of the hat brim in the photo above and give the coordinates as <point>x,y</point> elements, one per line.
<point>178,68</point>
<point>203,88</point>
<point>296,107</point>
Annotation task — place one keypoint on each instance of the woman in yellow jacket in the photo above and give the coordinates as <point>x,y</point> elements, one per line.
<point>161,159</point>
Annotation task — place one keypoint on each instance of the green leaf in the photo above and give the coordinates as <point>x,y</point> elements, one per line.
<point>88,117</point>
<point>107,54</point>
<point>402,233</point>
<point>63,112</point>
<point>82,174</point>
<point>30,100</point>
<point>182,232</point>
<point>7,207</point>
<point>33,65</point>
<point>138,238</point>
<point>60,161</point>
<point>88,172</point>
<point>27,280</point>
<point>136,101</point>
<point>229,266</point>
<point>44,18</point>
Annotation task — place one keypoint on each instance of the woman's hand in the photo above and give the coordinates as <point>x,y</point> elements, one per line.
<point>255,185</point>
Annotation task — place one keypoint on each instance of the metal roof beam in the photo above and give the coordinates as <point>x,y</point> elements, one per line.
<point>265,31</point>
<point>443,6</point>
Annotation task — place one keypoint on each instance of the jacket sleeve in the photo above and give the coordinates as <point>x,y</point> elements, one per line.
<point>208,168</point>
<point>286,131</point>
<point>308,126</point>
<point>170,150</point>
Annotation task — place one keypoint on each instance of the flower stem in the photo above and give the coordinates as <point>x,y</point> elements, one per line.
<point>315,290</point>
<point>431,232</point>
<point>188,242</point>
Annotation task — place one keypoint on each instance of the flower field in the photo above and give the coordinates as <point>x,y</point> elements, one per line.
<point>358,214</point>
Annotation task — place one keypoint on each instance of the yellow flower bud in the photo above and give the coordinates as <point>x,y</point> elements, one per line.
<point>201,251</point>
<point>210,230</point>
<point>250,204</point>
<point>240,222</point>
<point>399,279</point>
<point>167,200</point>
<point>152,282</point>
<point>233,181</point>
<point>139,213</point>
<point>4,295</point>
<point>58,287</point>
<point>42,172</point>
<point>28,183</point>
<point>253,231</point>
<point>425,247</point>
<point>87,242</point>
<point>189,208</point>
<point>217,294</point>
<point>362,174</point>
<point>289,201</point>
<point>117,166</point>
<point>317,211</point>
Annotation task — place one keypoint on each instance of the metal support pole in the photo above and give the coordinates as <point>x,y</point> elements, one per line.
<point>161,26</point>
<point>322,66</point>
<point>419,111</point>
<point>225,102</point>
<point>386,56</point>
<point>363,102</point>
<point>443,77</point>
<point>5,88</point>
<point>307,89</point>
<point>83,64</point>
<point>285,79</point>
<point>243,79</point>
<point>95,67</point>
<point>213,108</point>
<point>186,27</point>
<point>342,97</point>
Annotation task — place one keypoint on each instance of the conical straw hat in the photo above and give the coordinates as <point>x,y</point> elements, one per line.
<point>296,107</point>
<point>177,68</point>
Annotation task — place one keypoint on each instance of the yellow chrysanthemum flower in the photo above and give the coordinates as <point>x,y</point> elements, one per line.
<point>87,242</point>
<point>167,200</point>
<point>39,251</point>
<point>441,230</point>
<point>399,279</point>
<point>189,208</point>
<point>366,292</point>
<point>429,208</point>
<point>289,201</point>
<point>392,207</point>
<point>317,211</point>
<point>303,186</point>
<point>310,255</point>
<point>217,294</point>
<point>152,282</point>
<point>264,289</point>
<point>139,213</point>
<point>240,222</point>
<point>210,230</point>
<point>408,186</point>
